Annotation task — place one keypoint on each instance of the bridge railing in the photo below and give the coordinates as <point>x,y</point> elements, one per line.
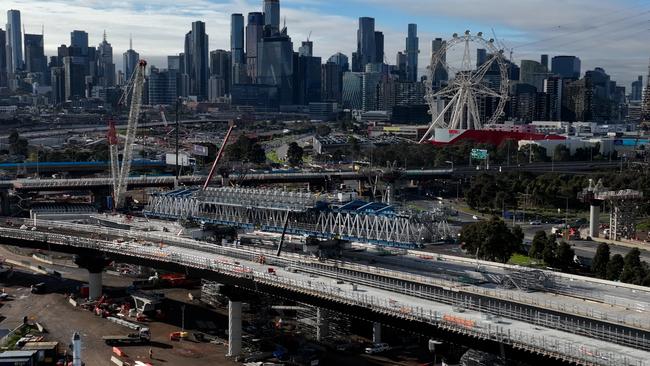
<point>563,349</point>
<point>395,279</point>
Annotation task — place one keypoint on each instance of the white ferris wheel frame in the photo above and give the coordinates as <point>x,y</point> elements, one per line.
<point>462,91</point>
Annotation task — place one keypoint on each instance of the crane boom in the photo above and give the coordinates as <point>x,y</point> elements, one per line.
<point>219,154</point>
<point>132,127</point>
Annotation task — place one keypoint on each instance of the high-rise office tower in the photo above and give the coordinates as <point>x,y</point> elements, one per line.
<point>221,71</point>
<point>272,15</point>
<point>544,61</point>
<point>3,58</point>
<point>366,47</point>
<point>79,39</point>
<point>14,44</point>
<point>307,79</point>
<point>379,47</point>
<point>533,73</point>
<point>105,65</point>
<point>174,63</point>
<point>352,93</point>
<point>440,76</point>
<point>554,88</point>
<point>254,32</point>
<point>199,75</point>
<point>237,48</point>
<point>35,60</point>
<point>412,53</point>
<point>307,49</point>
<point>566,67</point>
<point>636,93</point>
<point>332,82</point>
<point>75,76</point>
<point>341,60</point>
<point>161,86</point>
<point>400,64</point>
<point>130,61</point>
<point>481,56</point>
<point>275,65</point>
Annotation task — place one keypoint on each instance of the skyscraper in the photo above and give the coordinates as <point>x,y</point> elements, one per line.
<point>174,62</point>
<point>35,60</point>
<point>379,47</point>
<point>105,65</point>
<point>307,49</point>
<point>14,44</point>
<point>3,58</point>
<point>554,88</point>
<point>162,86</point>
<point>220,72</point>
<point>79,39</point>
<point>332,82</point>
<point>544,61</point>
<point>440,76</point>
<point>307,79</point>
<point>412,53</point>
<point>566,67</point>
<point>275,65</point>
<point>366,47</point>
<point>352,94</point>
<point>130,61</point>
<point>75,76</point>
<point>341,60</point>
<point>272,15</point>
<point>254,32</point>
<point>533,73</point>
<point>481,56</point>
<point>237,49</point>
<point>199,75</point>
<point>636,92</point>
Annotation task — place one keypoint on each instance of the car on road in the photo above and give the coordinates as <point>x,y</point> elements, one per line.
<point>377,348</point>
<point>474,217</point>
<point>536,222</point>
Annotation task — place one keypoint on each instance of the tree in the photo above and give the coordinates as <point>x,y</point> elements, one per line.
<point>600,260</point>
<point>245,149</point>
<point>294,154</point>
<point>538,244</point>
<point>633,271</point>
<point>564,257</point>
<point>615,267</point>
<point>490,240</point>
<point>549,254</point>
<point>561,153</point>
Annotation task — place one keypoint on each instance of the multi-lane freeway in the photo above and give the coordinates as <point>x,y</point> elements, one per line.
<point>575,320</point>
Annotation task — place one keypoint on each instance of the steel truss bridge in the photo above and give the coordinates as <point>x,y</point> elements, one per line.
<point>398,295</point>
<point>303,213</point>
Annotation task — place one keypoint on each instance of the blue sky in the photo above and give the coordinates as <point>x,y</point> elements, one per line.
<point>612,34</point>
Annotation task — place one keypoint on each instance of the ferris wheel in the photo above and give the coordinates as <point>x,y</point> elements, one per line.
<point>457,105</point>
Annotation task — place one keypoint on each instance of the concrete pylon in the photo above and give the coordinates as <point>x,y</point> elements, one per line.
<point>376,332</point>
<point>234,328</point>
<point>322,324</point>
<point>94,285</point>
<point>594,217</point>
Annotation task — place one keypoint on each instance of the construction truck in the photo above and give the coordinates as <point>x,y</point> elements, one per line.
<point>143,336</point>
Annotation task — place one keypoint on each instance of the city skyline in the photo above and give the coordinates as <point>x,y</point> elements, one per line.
<point>158,30</point>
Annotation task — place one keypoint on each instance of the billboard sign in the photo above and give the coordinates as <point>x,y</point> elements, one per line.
<point>479,154</point>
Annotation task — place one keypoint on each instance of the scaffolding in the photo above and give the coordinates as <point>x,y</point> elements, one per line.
<point>322,325</point>
<point>526,280</point>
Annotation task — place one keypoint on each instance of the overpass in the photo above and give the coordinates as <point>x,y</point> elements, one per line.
<point>574,332</point>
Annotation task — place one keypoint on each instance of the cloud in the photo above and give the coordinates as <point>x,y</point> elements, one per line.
<point>601,33</point>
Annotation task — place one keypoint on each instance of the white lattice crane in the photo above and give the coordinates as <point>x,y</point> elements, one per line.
<point>121,172</point>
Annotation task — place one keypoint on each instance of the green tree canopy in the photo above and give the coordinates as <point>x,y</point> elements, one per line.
<point>600,260</point>
<point>294,154</point>
<point>615,267</point>
<point>490,240</point>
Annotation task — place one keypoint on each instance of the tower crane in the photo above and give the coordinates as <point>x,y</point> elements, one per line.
<point>121,173</point>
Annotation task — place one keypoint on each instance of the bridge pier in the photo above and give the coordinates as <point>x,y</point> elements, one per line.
<point>594,217</point>
<point>5,207</point>
<point>95,266</point>
<point>234,328</point>
<point>376,332</point>
<point>322,324</point>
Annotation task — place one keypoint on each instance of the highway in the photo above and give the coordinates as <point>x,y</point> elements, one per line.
<point>403,294</point>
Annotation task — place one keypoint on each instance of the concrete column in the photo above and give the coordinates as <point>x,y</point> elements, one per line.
<point>234,328</point>
<point>376,332</point>
<point>322,324</point>
<point>594,215</point>
<point>94,285</point>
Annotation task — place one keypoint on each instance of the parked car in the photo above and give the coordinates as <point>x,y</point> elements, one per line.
<point>377,348</point>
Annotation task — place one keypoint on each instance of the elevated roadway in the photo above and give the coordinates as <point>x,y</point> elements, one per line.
<point>414,300</point>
